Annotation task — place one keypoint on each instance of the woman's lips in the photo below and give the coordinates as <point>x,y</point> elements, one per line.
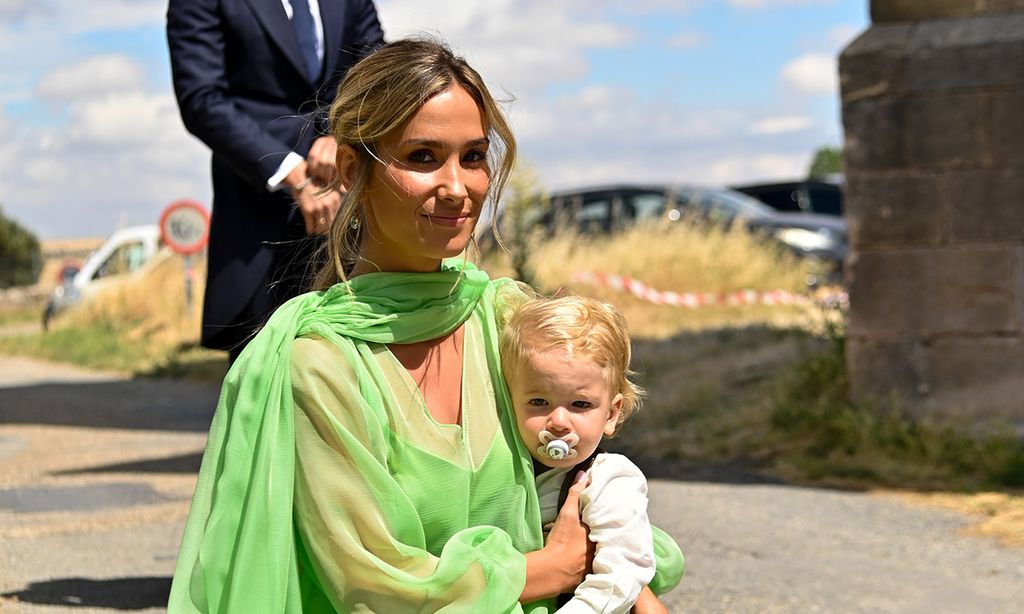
<point>446,220</point>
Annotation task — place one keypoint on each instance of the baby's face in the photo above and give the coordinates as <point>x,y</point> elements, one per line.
<point>556,396</point>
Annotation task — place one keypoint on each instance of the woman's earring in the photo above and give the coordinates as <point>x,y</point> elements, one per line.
<point>353,223</point>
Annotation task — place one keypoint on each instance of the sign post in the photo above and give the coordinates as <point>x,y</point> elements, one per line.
<point>185,228</point>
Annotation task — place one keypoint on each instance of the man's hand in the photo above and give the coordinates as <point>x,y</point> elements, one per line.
<point>317,207</point>
<point>320,161</point>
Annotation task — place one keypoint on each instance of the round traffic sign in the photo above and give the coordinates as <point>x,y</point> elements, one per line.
<point>185,226</point>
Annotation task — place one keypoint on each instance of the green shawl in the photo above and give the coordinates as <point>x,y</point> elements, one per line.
<point>238,552</point>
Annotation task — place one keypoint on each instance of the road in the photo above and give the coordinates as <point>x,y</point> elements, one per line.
<point>96,471</point>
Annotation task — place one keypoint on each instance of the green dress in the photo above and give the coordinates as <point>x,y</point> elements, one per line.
<point>327,486</point>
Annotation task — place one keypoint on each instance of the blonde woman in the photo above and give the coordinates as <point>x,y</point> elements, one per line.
<point>363,457</point>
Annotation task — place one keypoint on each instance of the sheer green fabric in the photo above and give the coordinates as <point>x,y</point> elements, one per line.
<point>326,486</point>
<point>258,529</point>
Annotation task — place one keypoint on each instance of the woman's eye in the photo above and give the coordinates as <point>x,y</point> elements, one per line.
<point>475,156</point>
<point>421,156</point>
<point>582,404</point>
<point>537,402</point>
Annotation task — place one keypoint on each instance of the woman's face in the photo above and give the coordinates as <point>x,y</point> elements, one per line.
<point>427,190</point>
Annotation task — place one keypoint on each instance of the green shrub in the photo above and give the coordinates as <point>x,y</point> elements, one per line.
<point>20,257</point>
<point>828,437</point>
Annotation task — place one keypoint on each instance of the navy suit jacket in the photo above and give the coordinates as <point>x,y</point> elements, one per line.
<point>242,90</point>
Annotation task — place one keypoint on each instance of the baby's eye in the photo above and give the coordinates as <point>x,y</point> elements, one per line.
<point>537,402</point>
<point>582,404</point>
<point>421,156</point>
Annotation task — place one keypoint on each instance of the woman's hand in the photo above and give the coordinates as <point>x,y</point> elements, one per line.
<point>567,556</point>
<point>648,603</point>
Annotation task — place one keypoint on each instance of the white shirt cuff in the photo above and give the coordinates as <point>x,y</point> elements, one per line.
<point>287,165</point>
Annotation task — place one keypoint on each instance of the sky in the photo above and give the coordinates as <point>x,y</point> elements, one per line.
<point>711,92</point>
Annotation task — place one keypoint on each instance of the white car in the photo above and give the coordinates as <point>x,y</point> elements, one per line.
<point>126,253</point>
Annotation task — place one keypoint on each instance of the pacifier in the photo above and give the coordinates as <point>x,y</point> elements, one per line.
<point>557,448</point>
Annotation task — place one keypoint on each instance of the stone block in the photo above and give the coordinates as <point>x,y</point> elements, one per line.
<point>903,209</point>
<point>886,290</point>
<point>912,10</point>
<point>946,131</point>
<point>1000,6</point>
<point>959,362</point>
<point>979,51</point>
<point>1008,129</point>
<point>880,369</point>
<point>902,293</point>
<point>873,64</point>
<point>987,206</point>
<point>874,135</point>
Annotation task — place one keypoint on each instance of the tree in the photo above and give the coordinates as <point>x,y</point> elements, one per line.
<point>20,257</point>
<point>523,203</point>
<point>827,161</point>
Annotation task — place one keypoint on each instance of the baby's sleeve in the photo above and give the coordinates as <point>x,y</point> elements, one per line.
<point>615,508</point>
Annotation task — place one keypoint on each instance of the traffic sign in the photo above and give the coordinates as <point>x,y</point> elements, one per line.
<point>185,226</point>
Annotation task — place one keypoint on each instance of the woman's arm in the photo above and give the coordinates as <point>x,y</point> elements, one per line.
<point>567,556</point>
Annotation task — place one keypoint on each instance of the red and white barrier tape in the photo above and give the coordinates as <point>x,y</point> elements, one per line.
<point>703,299</point>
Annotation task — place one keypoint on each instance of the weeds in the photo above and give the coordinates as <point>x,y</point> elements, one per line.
<point>822,436</point>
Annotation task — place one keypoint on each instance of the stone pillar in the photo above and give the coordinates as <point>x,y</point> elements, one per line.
<point>933,108</point>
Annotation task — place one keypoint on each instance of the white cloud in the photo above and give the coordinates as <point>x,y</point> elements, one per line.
<point>841,36</point>
<point>770,4</point>
<point>86,15</point>
<point>781,124</point>
<point>519,45</point>
<point>145,120</point>
<point>14,10</point>
<point>83,15</point>
<point>742,167</point>
<point>605,134</point>
<point>100,75</point>
<point>812,73</point>
<point>688,40</point>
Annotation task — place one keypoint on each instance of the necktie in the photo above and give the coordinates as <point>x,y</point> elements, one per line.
<point>302,23</point>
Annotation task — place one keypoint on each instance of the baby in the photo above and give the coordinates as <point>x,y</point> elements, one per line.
<point>566,361</point>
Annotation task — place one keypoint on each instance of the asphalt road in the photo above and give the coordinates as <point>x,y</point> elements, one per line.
<point>96,472</point>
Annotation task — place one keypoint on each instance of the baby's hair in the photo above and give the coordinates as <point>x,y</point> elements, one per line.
<point>585,328</point>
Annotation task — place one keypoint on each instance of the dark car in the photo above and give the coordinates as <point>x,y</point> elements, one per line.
<point>606,209</point>
<point>809,196</point>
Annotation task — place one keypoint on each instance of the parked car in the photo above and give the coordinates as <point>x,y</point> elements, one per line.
<point>810,196</point>
<point>126,252</point>
<point>607,209</point>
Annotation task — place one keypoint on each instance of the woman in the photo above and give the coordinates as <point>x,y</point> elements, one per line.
<point>358,460</point>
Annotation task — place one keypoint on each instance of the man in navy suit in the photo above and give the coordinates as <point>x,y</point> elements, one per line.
<point>253,79</point>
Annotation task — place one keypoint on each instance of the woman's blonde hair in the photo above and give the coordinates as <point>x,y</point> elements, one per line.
<point>377,96</point>
<point>584,327</point>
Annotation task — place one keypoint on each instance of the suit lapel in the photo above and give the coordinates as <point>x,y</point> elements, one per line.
<point>271,14</point>
<point>332,17</point>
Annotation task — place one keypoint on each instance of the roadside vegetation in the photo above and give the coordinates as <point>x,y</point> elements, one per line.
<point>140,326</point>
<point>20,256</point>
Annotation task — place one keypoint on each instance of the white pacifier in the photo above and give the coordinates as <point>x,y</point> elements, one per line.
<point>557,448</point>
